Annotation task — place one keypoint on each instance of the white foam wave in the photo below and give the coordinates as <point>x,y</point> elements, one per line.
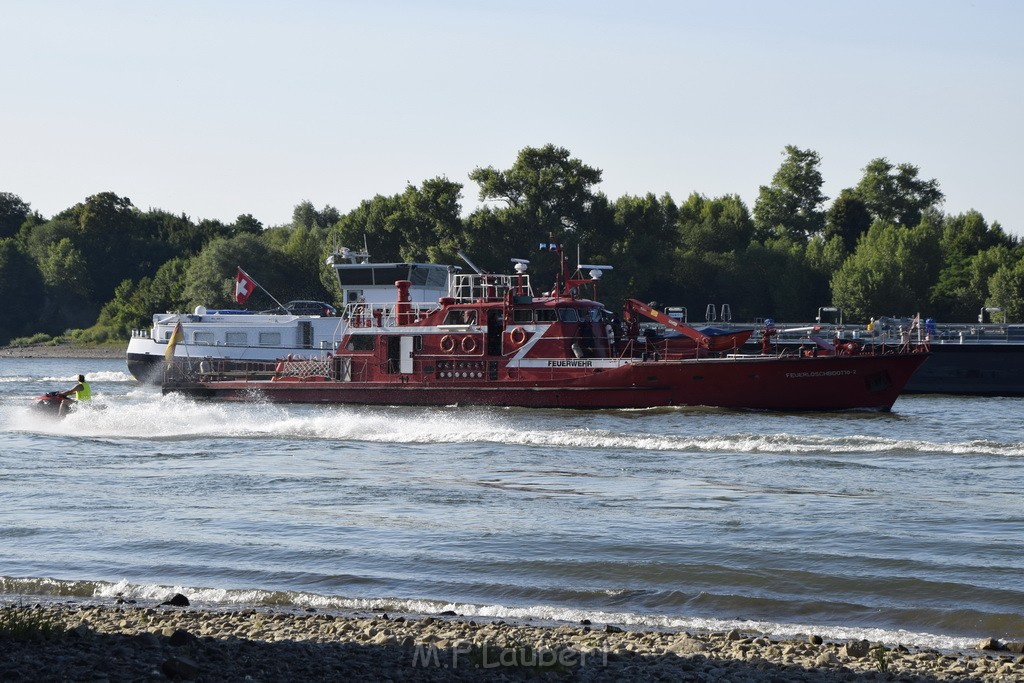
<point>544,613</point>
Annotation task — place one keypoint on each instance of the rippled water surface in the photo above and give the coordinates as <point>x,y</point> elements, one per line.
<point>905,527</point>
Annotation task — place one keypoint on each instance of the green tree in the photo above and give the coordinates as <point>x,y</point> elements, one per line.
<point>721,224</point>
<point>956,294</point>
<point>64,270</point>
<point>1006,289</point>
<point>890,273</point>
<point>491,237</point>
<point>792,202</point>
<point>435,211</point>
<point>776,279</point>
<point>13,212</point>
<point>963,303</point>
<point>369,224</point>
<point>167,235</point>
<point>134,304</point>
<point>642,255</point>
<point>895,194</point>
<point>113,242</point>
<point>545,191</point>
<point>22,291</point>
<point>306,215</point>
<point>210,275</point>
<point>245,223</point>
<point>848,218</point>
<point>301,252</point>
<point>39,238</point>
<point>826,255</point>
<point>421,224</point>
<point>698,279</point>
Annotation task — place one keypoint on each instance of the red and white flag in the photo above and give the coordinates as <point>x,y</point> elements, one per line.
<point>244,286</point>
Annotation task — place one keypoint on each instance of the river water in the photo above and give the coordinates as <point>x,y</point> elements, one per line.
<point>901,527</point>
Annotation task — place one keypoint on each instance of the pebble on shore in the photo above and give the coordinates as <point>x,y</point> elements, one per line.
<point>130,642</point>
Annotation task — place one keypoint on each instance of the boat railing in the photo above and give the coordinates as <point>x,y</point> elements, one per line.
<point>487,287</point>
<point>363,314</point>
<point>207,369</point>
<point>979,333</point>
<point>225,369</point>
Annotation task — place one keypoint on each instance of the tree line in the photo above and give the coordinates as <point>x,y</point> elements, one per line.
<point>101,268</point>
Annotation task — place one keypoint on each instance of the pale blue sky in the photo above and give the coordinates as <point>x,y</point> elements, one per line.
<point>220,108</point>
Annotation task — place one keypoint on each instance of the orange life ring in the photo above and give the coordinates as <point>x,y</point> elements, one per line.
<point>468,344</point>
<point>517,335</point>
<point>447,343</point>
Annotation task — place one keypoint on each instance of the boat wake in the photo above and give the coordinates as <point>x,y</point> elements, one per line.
<point>93,377</point>
<point>141,414</point>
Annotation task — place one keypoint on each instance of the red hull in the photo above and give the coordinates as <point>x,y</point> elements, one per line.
<point>866,382</point>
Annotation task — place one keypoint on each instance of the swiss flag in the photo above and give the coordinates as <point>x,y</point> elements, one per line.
<point>244,286</point>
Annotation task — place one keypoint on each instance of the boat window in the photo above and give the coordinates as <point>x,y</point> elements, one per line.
<point>371,274</point>
<point>589,315</point>
<point>568,315</point>
<point>459,316</point>
<point>546,315</point>
<point>360,342</point>
<point>236,339</point>
<point>522,315</point>
<point>202,337</point>
<point>270,338</point>
<point>436,278</point>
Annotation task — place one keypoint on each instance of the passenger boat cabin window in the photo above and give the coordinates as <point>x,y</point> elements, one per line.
<point>460,316</point>
<point>360,342</point>
<point>202,337</point>
<point>236,339</point>
<point>522,315</point>
<point>270,338</point>
<point>568,315</point>
<point>371,274</point>
<point>546,315</point>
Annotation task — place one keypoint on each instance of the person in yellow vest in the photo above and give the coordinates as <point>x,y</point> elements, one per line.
<point>80,392</point>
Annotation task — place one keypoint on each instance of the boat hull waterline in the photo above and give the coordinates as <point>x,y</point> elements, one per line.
<point>865,382</point>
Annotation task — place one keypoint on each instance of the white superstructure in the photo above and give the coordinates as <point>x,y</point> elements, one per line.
<point>246,336</point>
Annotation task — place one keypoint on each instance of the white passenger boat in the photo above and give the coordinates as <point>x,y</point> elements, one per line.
<point>244,336</point>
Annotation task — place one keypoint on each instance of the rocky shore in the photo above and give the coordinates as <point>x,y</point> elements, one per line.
<point>64,351</point>
<point>128,642</point>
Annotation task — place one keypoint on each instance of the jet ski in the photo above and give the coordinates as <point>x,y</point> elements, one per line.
<point>54,404</point>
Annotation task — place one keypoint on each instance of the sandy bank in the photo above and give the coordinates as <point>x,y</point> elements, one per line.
<point>64,351</point>
<point>130,642</point>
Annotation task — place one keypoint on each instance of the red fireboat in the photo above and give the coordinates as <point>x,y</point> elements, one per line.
<point>492,342</point>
